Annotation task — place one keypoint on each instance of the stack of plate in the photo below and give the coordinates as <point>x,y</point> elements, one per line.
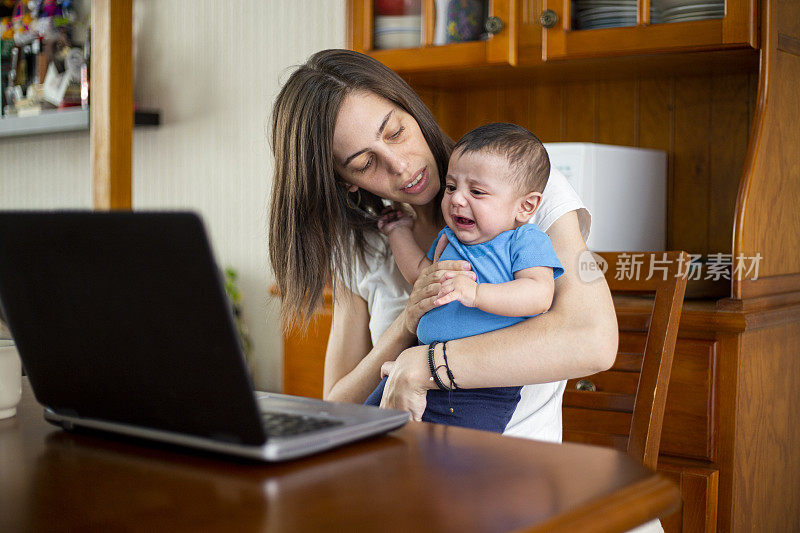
<point>686,10</point>
<point>397,31</point>
<point>595,14</point>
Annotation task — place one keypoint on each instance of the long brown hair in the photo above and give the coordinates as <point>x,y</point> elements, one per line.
<point>314,236</point>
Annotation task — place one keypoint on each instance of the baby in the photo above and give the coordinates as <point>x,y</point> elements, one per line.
<point>494,184</point>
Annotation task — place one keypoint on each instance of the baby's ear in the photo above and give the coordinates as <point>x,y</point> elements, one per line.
<point>527,206</point>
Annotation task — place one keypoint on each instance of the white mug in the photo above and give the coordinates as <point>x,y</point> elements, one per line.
<point>10,379</point>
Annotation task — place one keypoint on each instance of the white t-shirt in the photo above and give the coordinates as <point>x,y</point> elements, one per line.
<point>380,283</point>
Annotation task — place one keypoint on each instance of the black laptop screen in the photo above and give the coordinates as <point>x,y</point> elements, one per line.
<point>122,317</point>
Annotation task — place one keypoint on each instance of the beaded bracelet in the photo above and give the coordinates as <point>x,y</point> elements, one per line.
<point>432,366</point>
<point>453,384</point>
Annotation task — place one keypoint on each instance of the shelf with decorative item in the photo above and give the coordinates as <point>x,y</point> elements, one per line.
<point>58,121</point>
<point>522,33</point>
<point>419,35</point>
<point>601,28</point>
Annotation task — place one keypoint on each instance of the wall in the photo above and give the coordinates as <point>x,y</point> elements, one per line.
<point>213,70</point>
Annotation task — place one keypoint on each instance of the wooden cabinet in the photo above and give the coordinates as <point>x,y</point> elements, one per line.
<point>727,431</point>
<point>726,438</point>
<point>727,115</point>
<point>523,40</point>
<point>737,28</point>
<point>597,410</point>
<point>603,415</point>
<point>304,355</point>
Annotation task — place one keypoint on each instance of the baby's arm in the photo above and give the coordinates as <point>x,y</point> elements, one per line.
<point>410,258</point>
<point>530,293</point>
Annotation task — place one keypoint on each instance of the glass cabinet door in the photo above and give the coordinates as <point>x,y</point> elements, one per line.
<point>411,35</point>
<point>587,28</point>
<point>397,24</point>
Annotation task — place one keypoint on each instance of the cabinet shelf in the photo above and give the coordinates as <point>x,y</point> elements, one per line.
<point>523,42</point>
<point>63,121</point>
<point>718,62</point>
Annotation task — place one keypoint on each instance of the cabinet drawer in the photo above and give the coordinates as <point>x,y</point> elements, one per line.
<point>689,416</point>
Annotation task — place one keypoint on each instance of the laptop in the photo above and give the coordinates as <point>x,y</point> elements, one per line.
<point>123,325</point>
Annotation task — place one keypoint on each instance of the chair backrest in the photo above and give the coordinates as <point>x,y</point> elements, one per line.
<point>663,274</point>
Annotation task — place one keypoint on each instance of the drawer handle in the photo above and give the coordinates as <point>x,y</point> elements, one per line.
<point>585,385</point>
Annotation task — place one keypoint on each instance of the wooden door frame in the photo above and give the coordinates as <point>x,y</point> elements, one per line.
<point>111,121</point>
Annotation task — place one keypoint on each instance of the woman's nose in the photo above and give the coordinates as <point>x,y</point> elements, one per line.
<point>396,163</point>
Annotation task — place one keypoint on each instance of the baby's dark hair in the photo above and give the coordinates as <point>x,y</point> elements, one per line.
<point>527,157</point>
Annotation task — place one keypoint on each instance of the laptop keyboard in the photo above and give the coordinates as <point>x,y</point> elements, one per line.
<point>283,424</point>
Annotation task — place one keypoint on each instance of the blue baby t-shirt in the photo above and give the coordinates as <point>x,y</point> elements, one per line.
<point>493,261</point>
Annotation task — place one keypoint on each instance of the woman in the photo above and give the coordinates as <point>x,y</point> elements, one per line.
<point>345,128</point>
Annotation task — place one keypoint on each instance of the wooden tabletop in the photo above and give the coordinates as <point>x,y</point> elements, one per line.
<point>421,477</point>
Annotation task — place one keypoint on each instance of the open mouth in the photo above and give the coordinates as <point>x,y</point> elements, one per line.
<point>418,183</point>
<point>463,222</point>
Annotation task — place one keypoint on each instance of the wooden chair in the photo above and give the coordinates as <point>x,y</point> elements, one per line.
<point>584,400</point>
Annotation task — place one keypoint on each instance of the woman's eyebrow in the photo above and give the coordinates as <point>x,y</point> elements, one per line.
<point>377,136</point>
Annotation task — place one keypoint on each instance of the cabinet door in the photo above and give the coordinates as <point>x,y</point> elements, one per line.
<point>593,28</point>
<point>497,49</point>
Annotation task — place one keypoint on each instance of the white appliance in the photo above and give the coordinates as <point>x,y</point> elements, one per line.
<point>625,190</point>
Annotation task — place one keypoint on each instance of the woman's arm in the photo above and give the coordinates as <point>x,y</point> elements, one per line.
<point>352,364</point>
<point>577,337</point>
<point>349,338</point>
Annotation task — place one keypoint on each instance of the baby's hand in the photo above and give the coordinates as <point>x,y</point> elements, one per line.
<point>461,288</point>
<point>394,219</point>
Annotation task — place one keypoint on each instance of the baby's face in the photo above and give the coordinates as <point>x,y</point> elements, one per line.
<point>480,198</point>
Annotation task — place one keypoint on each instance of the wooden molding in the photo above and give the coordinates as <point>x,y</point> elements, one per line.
<point>112,103</point>
<point>771,285</point>
<point>764,221</point>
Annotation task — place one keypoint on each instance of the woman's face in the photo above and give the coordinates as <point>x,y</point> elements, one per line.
<point>379,147</point>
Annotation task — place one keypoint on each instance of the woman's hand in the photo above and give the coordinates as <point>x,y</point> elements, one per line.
<point>429,282</point>
<point>408,383</point>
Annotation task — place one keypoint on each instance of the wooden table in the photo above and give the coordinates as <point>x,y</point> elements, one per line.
<point>422,477</point>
